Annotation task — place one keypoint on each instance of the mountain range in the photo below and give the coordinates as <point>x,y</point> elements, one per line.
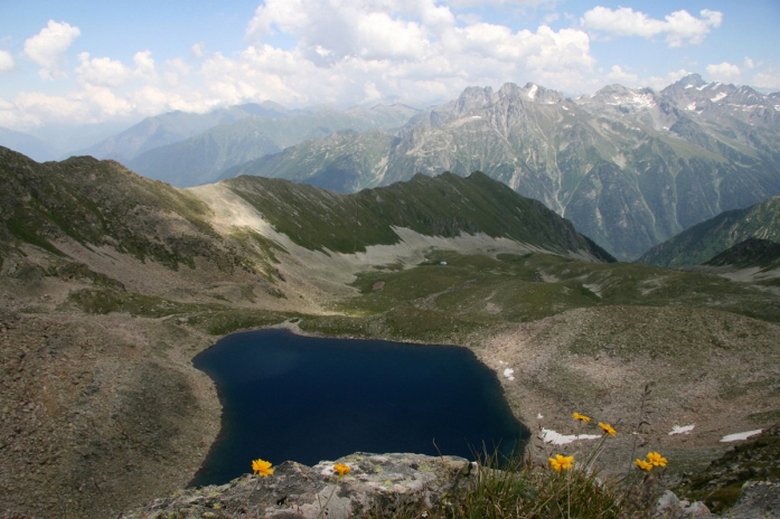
<point>190,149</point>
<point>111,282</point>
<point>629,167</point>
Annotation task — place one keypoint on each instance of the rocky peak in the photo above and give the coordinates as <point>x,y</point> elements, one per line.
<point>530,92</point>
<point>473,98</point>
<point>687,82</point>
<point>618,95</point>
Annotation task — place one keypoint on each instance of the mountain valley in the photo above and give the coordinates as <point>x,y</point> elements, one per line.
<point>112,282</point>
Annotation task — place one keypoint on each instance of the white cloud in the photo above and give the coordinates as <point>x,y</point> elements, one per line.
<point>6,61</point>
<point>769,79</point>
<point>144,65</point>
<point>102,71</point>
<point>660,83</point>
<point>197,50</point>
<point>47,48</point>
<point>724,72</point>
<point>175,71</point>
<point>344,52</point>
<point>460,4</point>
<point>618,75</point>
<point>680,26</point>
<point>398,45</point>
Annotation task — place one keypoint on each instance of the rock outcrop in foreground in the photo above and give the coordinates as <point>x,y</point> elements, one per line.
<point>386,483</point>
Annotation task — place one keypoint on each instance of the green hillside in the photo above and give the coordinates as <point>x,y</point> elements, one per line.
<point>447,205</point>
<point>702,242</point>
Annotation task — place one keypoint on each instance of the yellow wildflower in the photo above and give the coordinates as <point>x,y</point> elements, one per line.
<point>581,417</point>
<point>656,459</point>
<point>561,462</point>
<point>262,468</point>
<point>341,468</point>
<point>607,428</point>
<point>644,465</point>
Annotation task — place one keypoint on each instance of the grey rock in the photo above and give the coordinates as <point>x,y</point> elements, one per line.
<point>386,482</point>
<point>759,500</point>
<point>670,506</point>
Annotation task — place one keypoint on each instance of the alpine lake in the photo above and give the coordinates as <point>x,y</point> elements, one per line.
<point>290,397</point>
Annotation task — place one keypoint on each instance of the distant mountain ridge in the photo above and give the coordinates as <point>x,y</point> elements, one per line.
<point>630,167</point>
<point>200,159</point>
<point>27,145</point>
<point>171,127</point>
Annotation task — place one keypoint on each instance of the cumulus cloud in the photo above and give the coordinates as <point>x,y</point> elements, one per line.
<point>724,72</point>
<point>144,65</point>
<point>347,52</point>
<point>7,63</point>
<point>47,48</point>
<point>102,71</point>
<point>768,79</point>
<point>680,27</point>
<point>414,43</point>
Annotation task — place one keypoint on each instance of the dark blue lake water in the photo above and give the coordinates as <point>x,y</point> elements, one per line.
<point>288,397</point>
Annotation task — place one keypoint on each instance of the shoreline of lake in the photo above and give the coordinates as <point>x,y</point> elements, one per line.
<point>311,398</point>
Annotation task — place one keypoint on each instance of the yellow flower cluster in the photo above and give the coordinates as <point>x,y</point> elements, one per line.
<point>341,469</point>
<point>654,459</point>
<point>262,468</point>
<point>561,462</point>
<point>581,417</point>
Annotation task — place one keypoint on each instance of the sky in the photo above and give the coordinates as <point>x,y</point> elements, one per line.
<point>91,61</point>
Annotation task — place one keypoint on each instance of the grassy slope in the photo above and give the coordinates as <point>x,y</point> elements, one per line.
<point>439,302</point>
<point>446,206</point>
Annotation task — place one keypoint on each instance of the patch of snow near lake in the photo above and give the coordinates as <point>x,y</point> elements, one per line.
<point>740,436</point>
<point>539,416</point>
<point>509,373</point>
<point>685,429</point>
<point>556,438</point>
